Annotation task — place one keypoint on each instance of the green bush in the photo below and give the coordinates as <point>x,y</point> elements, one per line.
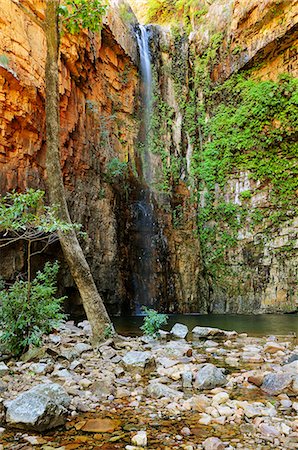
<point>152,321</point>
<point>28,312</point>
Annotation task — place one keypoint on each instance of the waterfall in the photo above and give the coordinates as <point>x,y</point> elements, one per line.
<point>145,65</point>
<point>143,225</point>
<point>142,35</point>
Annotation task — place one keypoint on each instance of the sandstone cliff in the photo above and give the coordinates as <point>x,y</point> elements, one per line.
<point>245,256</point>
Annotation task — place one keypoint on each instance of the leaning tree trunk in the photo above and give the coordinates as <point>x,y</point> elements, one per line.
<point>92,302</point>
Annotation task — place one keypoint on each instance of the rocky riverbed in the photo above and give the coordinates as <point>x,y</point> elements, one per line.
<point>216,390</point>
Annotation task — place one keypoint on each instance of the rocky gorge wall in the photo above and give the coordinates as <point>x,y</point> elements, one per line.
<point>234,81</point>
<point>223,196</point>
<point>102,170</point>
<point>98,92</point>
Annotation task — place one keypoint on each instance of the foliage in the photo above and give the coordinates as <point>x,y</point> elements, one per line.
<point>23,321</point>
<point>82,14</point>
<point>116,170</point>
<point>126,14</point>
<point>251,127</point>
<point>152,321</point>
<point>184,12</point>
<point>25,215</point>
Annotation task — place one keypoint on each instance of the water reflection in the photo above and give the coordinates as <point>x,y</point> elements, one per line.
<point>259,325</point>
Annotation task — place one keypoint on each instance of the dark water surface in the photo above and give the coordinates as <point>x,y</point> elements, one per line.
<point>254,325</point>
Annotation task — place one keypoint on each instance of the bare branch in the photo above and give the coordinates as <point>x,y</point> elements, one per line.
<point>29,13</point>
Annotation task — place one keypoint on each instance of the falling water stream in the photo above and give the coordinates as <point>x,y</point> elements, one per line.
<point>144,224</point>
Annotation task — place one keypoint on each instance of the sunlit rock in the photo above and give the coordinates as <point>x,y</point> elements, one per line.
<point>42,407</point>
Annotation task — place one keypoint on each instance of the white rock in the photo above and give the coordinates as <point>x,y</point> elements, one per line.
<point>179,330</point>
<point>205,419</point>
<point>221,397</point>
<point>140,439</point>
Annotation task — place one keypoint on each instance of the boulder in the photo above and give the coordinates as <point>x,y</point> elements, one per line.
<point>159,390</point>
<point>209,377</point>
<point>137,361</point>
<point>41,408</point>
<point>179,331</point>
<point>276,383</point>
<point>207,332</point>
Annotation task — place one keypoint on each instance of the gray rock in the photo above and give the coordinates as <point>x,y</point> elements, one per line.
<point>258,409</point>
<point>209,377</point>
<point>291,367</point>
<point>206,332</point>
<point>213,443</point>
<point>187,380</point>
<point>139,361</point>
<point>159,390</point>
<point>39,368</point>
<point>292,358</point>
<point>69,353</point>
<point>179,330</point>
<point>34,354</point>
<point>81,347</point>
<point>276,383</point>
<point>41,408</point>
<point>4,370</point>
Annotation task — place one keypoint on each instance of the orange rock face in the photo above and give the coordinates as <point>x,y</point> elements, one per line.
<point>98,84</point>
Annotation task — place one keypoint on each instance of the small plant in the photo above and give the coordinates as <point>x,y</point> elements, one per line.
<point>24,320</point>
<point>4,61</point>
<point>108,332</point>
<point>152,321</point>
<point>79,14</point>
<point>116,168</point>
<point>246,195</point>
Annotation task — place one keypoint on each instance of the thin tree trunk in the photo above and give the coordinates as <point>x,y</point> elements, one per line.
<point>92,302</point>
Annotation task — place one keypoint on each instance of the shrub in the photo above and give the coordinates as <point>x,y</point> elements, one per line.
<point>152,321</point>
<point>25,318</point>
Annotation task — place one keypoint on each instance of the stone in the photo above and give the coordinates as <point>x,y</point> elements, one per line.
<point>43,407</point>
<point>206,332</point>
<point>81,347</point>
<point>291,367</point>
<point>101,425</point>
<point>140,439</point>
<point>258,409</point>
<point>276,383</point>
<point>39,368</point>
<point>186,380</point>
<point>268,430</point>
<point>221,397</point>
<point>33,354</point>
<point>205,419</point>
<point>213,443</point>
<point>292,358</point>
<point>159,390</point>
<point>209,377</point>
<point>4,370</point>
<point>256,379</point>
<point>140,361</point>
<point>185,431</point>
<point>200,402</point>
<point>167,362</point>
<point>273,347</point>
<point>179,331</point>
